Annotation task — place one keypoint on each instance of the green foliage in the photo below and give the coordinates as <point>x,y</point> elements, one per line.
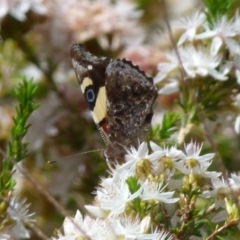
<point>25,94</point>
<point>133,184</point>
<point>169,126</point>
<point>134,187</point>
<point>216,8</point>
<point>17,150</point>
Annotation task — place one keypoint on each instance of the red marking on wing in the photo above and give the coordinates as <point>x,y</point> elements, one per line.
<point>104,127</point>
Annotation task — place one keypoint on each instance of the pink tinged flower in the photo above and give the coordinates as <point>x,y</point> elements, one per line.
<point>191,24</point>
<point>154,191</point>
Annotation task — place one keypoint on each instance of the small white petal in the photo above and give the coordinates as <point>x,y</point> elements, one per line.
<point>215,46</point>
<point>232,45</point>
<point>169,88</point>
<point>237,125</point>
<point>4,8</point>
<point>95,211</point>
<point>207,34</point>
<point>159,77</point>
<point>220,216</point>
<point>183,38</point>
<point>238,100</point>
<point>237,73</point>
<point>217,75</point>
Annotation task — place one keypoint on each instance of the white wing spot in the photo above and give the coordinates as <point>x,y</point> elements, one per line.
<point>90,67</point>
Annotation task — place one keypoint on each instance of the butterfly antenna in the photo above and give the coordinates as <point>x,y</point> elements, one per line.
<point>77,154</point>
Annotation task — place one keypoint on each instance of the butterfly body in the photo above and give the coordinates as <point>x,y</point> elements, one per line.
<point>120,97</point>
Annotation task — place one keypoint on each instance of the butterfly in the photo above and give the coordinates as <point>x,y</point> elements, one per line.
<point>120,97</point>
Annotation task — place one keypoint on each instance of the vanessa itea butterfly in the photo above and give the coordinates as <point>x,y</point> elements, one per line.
<point>120,97</point>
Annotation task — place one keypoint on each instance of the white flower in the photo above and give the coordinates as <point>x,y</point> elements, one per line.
<point>192,162</point>
<point>107,17</point>
<point>4,236</point>
<point>236,179</point>
<point>113,196</point>
<point>77,227</point>
<point>199,62</point>
<point>154,191</point>
<point>167,163</point>
<point>18,210</point>
<point>192,152</point>
<point>221,190</point>
<point>162,235</point>
<point>197,170</point>
<point>164,69</point>
<point>233,65</point>
<point>133,156</point>
<point>196,62</point>
<point>19,231</point>
<point>222,31</point>
<point>127,228</point>
<point>19,8</point>
<point>191,24</point>
<point>103,229</point>
<point>234,183</point>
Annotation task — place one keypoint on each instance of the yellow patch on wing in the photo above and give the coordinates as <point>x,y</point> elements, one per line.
<point>85,83</point>
<point>100,109</point>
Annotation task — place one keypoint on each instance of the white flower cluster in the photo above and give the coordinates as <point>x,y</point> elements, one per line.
<point>210,51</point>
<point>124,202</point>
<point>95,19</point>
<point>202,53</point>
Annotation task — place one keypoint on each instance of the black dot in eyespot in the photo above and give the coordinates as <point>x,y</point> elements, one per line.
<point>90,95</point>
